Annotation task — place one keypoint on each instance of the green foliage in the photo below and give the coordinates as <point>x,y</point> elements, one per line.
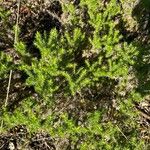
<point>145,3</point>
<point>88,54</point>
<point>58,53</point>
<point>4,14</point>
<point>23,115</point>
<point>5,64</point>
<point>93,134</point>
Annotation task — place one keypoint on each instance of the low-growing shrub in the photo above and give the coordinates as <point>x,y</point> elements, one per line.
<point>82,80</point>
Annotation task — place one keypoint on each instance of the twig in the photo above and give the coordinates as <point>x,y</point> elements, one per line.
<point>17,22</point>
<point>7,95</point>
<point>15,41</point>
<point>8,88</point>
<point>55,16</point>
<point>146,116</point>
<point>122,133</point>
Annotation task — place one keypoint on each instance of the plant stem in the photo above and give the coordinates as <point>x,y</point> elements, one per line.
<point>17,22</point>
<point>8,88</point>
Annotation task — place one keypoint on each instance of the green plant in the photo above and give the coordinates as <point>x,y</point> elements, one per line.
<point>109,57</point>
<point>23,115</point>
<point>93,134</point>
<point>5,64</point>
<point>89,58</point>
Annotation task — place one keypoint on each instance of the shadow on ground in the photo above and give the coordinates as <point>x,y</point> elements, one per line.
<point>141,13</point>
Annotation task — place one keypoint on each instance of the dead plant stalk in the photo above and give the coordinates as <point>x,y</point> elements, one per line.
<point>15,41</point>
